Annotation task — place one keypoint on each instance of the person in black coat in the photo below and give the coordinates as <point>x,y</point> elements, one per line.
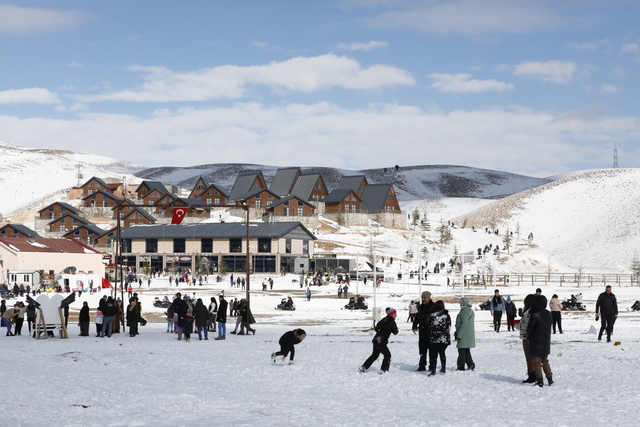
<point>222,318</point>
<point>607,310</point>
<point>84,320</point>
<point>133,317</point>
<point>287,342</point>
<point>511,311</point>
<point>384,329</point>
<point>539,337</point>
<point>180,307</point>
<point>201,315</point>
<point>421,324</point>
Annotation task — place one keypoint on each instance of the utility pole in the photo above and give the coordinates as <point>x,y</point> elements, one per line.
<point>615,155</point>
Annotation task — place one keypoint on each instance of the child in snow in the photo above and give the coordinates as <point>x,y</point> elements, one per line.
<point>170,313</point>
<point>384,329</point>
<point>188,325</point>
<point>287,342</point>
<point>99,318</point>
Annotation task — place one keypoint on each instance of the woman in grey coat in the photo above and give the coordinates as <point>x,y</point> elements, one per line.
<point>465,334</point>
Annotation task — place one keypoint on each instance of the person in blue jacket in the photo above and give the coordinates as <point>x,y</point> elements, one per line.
<point>497,306</point>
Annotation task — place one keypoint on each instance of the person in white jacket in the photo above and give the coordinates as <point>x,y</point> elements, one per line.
<point>556,316</point>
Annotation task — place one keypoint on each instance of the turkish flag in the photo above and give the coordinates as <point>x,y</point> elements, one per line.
<point>178,215</point>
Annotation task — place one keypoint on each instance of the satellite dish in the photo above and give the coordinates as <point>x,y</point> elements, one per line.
<point>69,270</point>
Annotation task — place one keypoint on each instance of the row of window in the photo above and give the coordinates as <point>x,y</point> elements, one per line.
<point>206,245</point>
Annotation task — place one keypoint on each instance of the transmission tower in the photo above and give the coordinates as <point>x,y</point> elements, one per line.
<point>615,155</point>
<point>79,174</point>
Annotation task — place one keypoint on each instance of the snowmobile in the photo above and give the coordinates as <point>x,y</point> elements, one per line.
<point>635,306</point>
<point>286,304</point>
<point>357,303</point>
<point>572,305</point>
<point>485,305</point>
<point>162,303</point>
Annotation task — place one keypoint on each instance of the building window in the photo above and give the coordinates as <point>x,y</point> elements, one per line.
<point>300,203</point>
<point>300,211</point>
<point>126,246</point>
<point>206,245</point>
<point>235,245</point>
<point>305,247</point>
<point>354,208</point>
<point>257,204</point>
<point>389,208</point>
<point>286,211</point>
<point>264,244</point>
<point>151,245</point>
<point>287,246</point>
<point>209,201</point>
<point>179,245</point>
<point>216,201</point>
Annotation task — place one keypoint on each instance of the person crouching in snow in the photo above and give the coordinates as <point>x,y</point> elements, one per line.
<point>287,342</point>
<point>384,329</point>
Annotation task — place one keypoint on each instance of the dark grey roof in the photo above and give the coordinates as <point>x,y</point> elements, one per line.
<point>219,231</point>
<point>100,181</point>
<point>250,194</point>
<point>305,185</point>
<point>374,197</point>
<point>243,183</point>
<point>63,205</point>
<point>22,229</point>
<point>154,185</point>
<point>105,193</point>
<point>283,181</point>
<point>94,228</point>
<point>142,211</point>
<point>338,195</point>
<point>352,182</point>
<point>221,190</point>
<point>171,195</point>
<point>76,217</point>
<point>284,199</point>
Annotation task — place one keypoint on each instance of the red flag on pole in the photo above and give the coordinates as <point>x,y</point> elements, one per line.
<point>178,215</point>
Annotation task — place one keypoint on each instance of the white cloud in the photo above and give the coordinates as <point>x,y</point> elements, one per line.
<point>472,17</point>
<point>588,45</point>
<point>609,89</point>
<point>550,71</point>
<point>463,83</point>
<point>369,46</point>
<point>535,143</point>
<point>630,48</point>
<point>26,20</point>
<point>301,74</point>
<point>75,65</point>
<point>34,95</point>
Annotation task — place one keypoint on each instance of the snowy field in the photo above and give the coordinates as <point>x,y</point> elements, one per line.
<point>155,380</point>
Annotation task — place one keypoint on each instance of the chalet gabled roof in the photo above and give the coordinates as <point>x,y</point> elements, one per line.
<point>62,205</point>
<point>252,193</point>
<point>100,181</point>
<point>153,185</point>
<point>339,194</point>
<point>162,201</point>
<point>305,184</point>
<point>244,182</point>
<point>284,180</point>
<point>104,193</point>
<point>76,217</point>
<point>284,199</point>
<point>90,227</point>
<point>126,202</point>
<point>353,182</point>
<point>221,190</point>
<point>141,211</point>
<point>374,197</point>
<point>228,230</point>
<point>22,229</point>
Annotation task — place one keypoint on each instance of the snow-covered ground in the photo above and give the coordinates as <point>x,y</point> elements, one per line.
<point>154,379</point>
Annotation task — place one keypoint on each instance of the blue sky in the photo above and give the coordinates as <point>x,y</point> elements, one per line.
<point>531,87</point>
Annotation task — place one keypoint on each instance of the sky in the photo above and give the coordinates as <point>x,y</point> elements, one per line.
<point>532,87</point>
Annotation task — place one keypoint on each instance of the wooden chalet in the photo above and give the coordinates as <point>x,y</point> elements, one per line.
<point>17,230</point>
<point>198,188</point>
<point>310,187</point>
<point>195,207</point>
<point>100,199</point>
<point>342,200</point>
<point>247,181</point>
<point>213,195</point>
<point>96,184</point>
<point>136,216</point>
<point>56,210</point>
<point>153,196</point>
<point>106,240</point>
<point>290,206</point>
<point>86,233</point>
<point>147,186</point>
<point>66,222</point>
<point>284,181</point>
<point>126,205</point>
<point>257,198</point>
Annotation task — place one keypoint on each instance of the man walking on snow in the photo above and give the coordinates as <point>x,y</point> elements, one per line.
<point>607,308</point>
<point>421,324</point>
